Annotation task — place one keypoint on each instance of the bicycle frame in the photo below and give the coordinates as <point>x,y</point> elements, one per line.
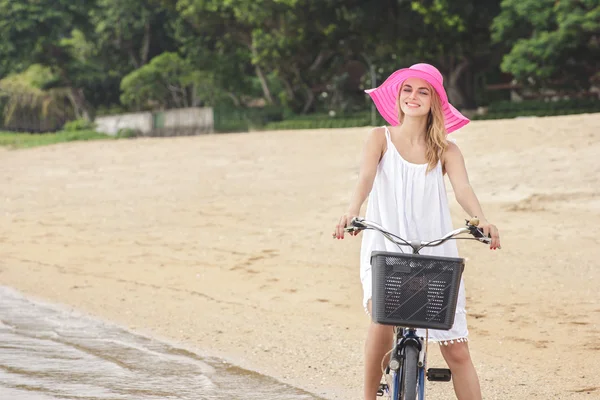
<point>408,337</point>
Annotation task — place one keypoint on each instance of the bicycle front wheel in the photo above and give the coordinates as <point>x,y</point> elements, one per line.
<point>410,372</point>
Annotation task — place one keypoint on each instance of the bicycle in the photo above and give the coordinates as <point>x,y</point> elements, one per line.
<point>413,291</point>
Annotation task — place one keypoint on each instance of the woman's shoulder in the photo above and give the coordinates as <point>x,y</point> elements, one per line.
<point>376,136</point>
<point>376,141</point>
<point>451,154</point>
<point>378,132</point>
<point>452,149</point>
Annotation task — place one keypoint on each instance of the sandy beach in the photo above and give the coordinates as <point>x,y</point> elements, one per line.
<point>223,242</point>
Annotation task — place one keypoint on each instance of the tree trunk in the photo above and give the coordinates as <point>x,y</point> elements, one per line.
<point>310,99</point>
<point>79,104</point>
<point>455,92</point>
<point>193,95</point>
<point>469,85</point>
<point>288,89</point>
<point>234,98</point>
<point>75,95</point>
<point>174,90</point>
<point>318,61</point>
<point>134,60</point>
<point>263,84</point>
<point>310,96</point>
<point>261,77</point>
<point>145,44</point>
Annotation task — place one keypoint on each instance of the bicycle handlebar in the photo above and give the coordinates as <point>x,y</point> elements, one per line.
<point>359,224</point>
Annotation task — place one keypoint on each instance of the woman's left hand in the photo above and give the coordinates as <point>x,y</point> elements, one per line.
<point>490,230</point>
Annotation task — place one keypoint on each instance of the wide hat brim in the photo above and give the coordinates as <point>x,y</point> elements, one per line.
<point>385,98</point>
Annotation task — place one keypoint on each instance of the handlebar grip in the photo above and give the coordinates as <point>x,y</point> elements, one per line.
<point>357,223</point>
<point>478,233</point>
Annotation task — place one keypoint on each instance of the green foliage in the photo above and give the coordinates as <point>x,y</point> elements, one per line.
<point>534,113</point>
<point>510,109</point>
<point>168,81</point>
<point>31,29</point>
<point>276,118</point>
<point>27,106</point>
<point>133,30</point>
<point>229,119</point>
<point>26,140</point>
<point>539,105</point>
<point>318,123</point>
<point>37,76</point>
<point>300,56</point>
<point>439,13</point>
<point>552,43</point>
<point>32,32</point>
<point>111,110</point>
<point>454,35</point>
<point>304,44</point>
<point>127,133</point>
<point>79,125</point>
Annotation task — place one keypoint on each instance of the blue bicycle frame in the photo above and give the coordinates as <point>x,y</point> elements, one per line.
<point>397,375</point>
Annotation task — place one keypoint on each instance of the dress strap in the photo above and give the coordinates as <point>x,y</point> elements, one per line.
<point>388,139</point>
<point>387,133</point>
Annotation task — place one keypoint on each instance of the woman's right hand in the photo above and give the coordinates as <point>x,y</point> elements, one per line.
<point>344,222</point>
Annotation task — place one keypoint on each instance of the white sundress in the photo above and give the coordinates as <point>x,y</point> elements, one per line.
<point>413,204</point>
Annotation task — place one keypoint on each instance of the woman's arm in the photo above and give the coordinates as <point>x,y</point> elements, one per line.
<point>454,164</point>
<point>371,155</point>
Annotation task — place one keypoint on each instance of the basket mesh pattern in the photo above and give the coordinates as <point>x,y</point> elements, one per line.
<point>415,291</point>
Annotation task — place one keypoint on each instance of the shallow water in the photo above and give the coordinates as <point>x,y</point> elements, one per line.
<point>48,353</point>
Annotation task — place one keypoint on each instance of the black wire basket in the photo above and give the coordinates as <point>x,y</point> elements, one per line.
<point>415,291</point>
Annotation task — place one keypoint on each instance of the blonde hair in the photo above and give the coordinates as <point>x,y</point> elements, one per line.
<point>436,129</point>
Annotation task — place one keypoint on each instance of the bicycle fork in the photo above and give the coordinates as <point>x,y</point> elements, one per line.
<point>408,337</point>
<point>403,338</point>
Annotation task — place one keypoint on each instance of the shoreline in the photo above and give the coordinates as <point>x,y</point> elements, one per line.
<point>35,332</point>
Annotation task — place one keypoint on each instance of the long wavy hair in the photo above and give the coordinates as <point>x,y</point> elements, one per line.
<point>436,129</point>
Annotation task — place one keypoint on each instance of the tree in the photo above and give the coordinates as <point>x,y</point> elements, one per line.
<point>34,33</point>
<point>26,105</point>
<point>300,45</point>
<point>552,43</point>
<point>206,45</point>
<point>168,81</point>
<point>137,29</point>
<point>455,36</point>
<point>228,25</point>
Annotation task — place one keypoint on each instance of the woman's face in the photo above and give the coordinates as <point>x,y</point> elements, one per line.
<point>415,97</point>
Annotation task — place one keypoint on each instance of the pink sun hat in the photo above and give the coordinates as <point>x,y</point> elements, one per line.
<point>385,96</point>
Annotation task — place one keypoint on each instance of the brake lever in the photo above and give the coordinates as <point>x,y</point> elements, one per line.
<point>472,225</point>
<point>355,226</point>
<point>351,228</point>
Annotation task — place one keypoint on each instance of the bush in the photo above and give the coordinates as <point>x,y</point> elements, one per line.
<point>126,133</point>
<point>540,108</point>
<point>229,119</point>
<point>318,123</point>
<point>79,125</point>
<point>533,113</point>
<point>26,140</point>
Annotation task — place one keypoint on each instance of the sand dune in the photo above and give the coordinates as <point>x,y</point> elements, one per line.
<point>224,242</point>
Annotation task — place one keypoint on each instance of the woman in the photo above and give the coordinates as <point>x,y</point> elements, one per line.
<point>402,171</point>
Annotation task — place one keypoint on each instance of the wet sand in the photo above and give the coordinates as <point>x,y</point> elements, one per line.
<point>52,353</point>
<point>224,242</point>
